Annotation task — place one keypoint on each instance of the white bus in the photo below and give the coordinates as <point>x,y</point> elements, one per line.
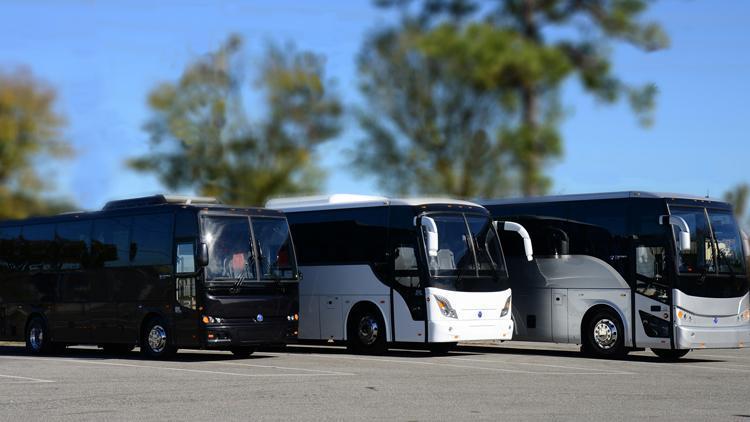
<point>631,270</point>
<point>378,271</point>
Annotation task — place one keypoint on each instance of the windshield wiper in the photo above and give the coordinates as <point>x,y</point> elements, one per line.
<point>241,278</point>
<point>723,256</point>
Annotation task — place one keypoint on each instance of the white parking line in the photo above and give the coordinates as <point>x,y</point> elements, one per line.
<point>481,368</point>
<point>166,368</point>
<point>22,379</point>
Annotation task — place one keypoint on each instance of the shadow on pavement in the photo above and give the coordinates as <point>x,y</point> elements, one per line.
<point>91,353</point>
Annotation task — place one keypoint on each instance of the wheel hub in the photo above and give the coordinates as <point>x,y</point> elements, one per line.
<point>36,337</point>
<point>157,338</point>
<point>368,330</point>
<point>605,334</point>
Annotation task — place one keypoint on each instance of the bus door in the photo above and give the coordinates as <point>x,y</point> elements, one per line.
<point>653,295</point>
<point>408,293</point>
<point>187,319</point>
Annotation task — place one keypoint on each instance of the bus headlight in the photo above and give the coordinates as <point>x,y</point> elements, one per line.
<point>506,308</point>
<point>445,307</point>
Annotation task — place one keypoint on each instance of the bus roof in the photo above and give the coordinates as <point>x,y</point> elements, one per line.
<point>597,196</point>
<point>344,201</point>
<point>148,203</point>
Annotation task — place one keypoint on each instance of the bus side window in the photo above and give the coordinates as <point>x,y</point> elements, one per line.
<point>405,266</point>
<point>185,258</point>
<point>151,242</point>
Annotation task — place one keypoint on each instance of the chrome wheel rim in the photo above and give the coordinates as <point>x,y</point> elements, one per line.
<point>36,337</point>
<point>368,330</point>
<point>605,334</point>
<point>157,338</point>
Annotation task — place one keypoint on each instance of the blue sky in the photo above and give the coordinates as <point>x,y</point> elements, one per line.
<point>104,57</point>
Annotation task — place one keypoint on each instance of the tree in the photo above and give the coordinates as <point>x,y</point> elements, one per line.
<point>522,51</point>
<point>426,131</point>
<point>30,131</point>
<point>738,197</point>
<point>202,138</point>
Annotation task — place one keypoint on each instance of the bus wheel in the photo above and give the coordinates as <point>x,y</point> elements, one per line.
<point>441,348</point>
<point>604,336</point>
<point>366,332</point>
<point>670,355</point>
<point>155,340</point>
<point>37,337</point>
<point>242,352</point>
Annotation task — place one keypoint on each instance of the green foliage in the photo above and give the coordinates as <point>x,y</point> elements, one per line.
<point>426,130</point>
<point>520,52</point>
<point>202,138</point>
<point>738,197</point>
<point>30,131</point>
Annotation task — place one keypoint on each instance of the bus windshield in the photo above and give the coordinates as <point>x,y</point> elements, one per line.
<point>275,253</point>
<point>714,264</point>
<point>468,255</point>
<point>229,249</point>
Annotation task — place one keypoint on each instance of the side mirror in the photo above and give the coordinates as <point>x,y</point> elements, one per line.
<point>202,257</point>
<point>681,224</point>
<point>431,236</point>
<point>510,226</point>
<point>745,243</point>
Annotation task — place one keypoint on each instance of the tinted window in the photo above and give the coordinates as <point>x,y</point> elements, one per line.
<point>75,243</point>
<point>186,224</point>
<point>598,228</point>
<point>152,239</point>
<point>110,242</point>
<point>352,236</point>
<point>38,249</point>
<point>9,247</point>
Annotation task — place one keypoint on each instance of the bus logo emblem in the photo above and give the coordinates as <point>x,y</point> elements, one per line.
<point>479,314</point>
<point>716,320</point>
<point>259,318</point>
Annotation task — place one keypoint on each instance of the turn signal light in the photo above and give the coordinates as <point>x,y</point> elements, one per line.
<point>746,315</point>
<point>680,314</point>
<point>296,317</point>
<point>205,320</point>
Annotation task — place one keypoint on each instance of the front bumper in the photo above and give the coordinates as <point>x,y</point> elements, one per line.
<point>472,330</point>
<point>250,334</point>
<point>687,337</point>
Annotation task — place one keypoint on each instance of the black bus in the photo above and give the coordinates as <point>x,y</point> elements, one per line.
<point>161,272</point>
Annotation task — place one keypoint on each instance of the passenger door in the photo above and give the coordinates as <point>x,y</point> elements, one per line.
<point>653,296</point>
<point>409,304</point>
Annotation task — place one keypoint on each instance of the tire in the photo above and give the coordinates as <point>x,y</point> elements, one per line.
<point>604,336</point>
<point>366,332</point>
<point>670,355</point>
<point>117,349</point>
<point>38,337</point>
<point>441,348</point>
<point>242,352</point>
<point>156,341</point>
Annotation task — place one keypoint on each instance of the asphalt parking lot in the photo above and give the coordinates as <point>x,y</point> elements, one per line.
<point>517,381</point>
